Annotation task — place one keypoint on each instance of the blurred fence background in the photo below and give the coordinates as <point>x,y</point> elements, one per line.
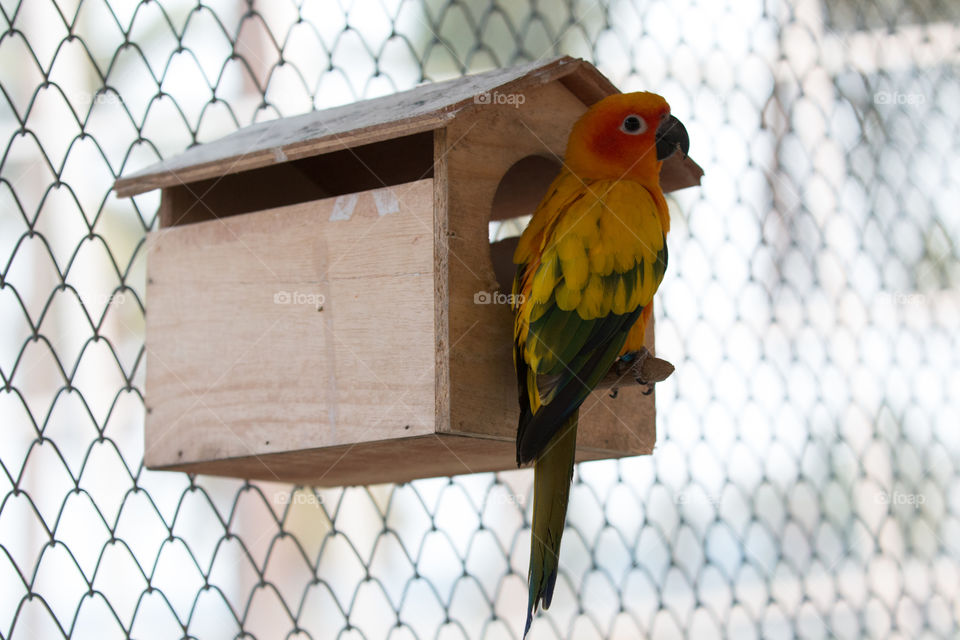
<point>806,483</point>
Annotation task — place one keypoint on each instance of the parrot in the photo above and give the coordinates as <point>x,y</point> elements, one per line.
<point>587,267</point>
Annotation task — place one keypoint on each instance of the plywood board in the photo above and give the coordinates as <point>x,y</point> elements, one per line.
<point>294,328</point>
<point>396,460</point>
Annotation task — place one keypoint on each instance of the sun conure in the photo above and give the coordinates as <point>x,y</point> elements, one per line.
<point>588,265</point>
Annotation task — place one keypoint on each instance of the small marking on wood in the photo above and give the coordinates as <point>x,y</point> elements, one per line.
<point>279,155</point>
<point>343,207</point>
<point>386,201</point>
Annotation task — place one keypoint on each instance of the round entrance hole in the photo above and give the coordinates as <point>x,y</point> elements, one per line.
<point>520,190</point>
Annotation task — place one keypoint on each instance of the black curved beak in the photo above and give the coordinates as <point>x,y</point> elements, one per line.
<point>671,134</point>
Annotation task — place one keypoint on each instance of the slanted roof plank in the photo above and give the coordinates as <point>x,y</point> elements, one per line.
<point>420,109</point>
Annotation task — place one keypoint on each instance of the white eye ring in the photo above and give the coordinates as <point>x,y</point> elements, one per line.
<point>633,125</point>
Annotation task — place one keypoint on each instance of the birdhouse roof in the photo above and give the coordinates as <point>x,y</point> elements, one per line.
<point>423,108</point>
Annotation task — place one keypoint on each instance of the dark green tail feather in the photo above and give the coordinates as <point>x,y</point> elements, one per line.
<point>551,479</point>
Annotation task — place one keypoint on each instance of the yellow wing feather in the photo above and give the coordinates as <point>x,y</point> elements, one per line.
<point>582,236</point>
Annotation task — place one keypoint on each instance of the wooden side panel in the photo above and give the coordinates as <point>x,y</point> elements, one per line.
<point>299,327</point>
<point>482,148</point>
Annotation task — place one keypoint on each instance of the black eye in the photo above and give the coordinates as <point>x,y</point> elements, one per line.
<point>633,125</point>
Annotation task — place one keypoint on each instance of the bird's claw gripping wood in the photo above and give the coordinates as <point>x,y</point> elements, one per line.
<point>642,366</point>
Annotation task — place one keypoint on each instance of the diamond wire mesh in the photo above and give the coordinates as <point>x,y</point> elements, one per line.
<point>805,481</point>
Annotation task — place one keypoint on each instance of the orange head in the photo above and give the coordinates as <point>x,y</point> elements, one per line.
<point>626,135</point>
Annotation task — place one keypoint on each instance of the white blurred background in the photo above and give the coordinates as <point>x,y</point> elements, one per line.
<point>805,482</point>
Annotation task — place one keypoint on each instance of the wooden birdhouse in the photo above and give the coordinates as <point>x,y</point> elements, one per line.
<point>322,295</point>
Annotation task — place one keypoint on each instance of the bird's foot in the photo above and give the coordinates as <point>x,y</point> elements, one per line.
<point>637,368</point>
<point>645,369</point>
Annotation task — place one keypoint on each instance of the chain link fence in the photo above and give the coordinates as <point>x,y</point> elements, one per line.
<point>806,483</point>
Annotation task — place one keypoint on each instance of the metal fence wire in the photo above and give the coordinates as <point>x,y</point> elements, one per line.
<point>806,482</point>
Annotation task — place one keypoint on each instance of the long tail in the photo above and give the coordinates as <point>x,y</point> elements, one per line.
<point>551,490</point>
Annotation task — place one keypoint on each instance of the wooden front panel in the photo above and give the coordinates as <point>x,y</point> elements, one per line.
<point>304,326</point>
